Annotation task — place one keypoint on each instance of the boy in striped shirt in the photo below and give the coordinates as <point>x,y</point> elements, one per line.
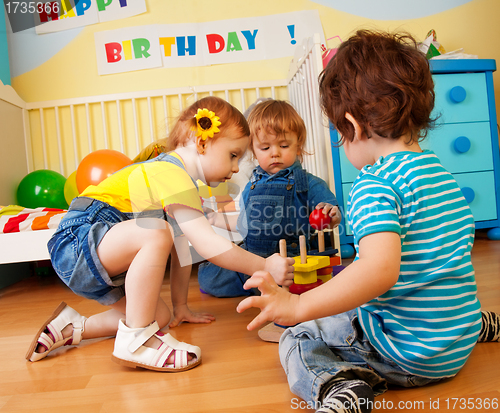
<point>405,312</point>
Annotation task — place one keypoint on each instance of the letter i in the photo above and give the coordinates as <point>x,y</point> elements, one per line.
<point>127,49</point>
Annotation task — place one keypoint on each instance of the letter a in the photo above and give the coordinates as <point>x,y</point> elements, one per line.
<point>44,17</point>
<point>233,43</point>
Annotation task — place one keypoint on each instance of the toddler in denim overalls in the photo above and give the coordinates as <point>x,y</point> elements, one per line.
<point>277,201</point>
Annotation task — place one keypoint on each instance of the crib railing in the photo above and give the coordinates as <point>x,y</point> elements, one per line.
<point>303,91</point>
<point>61,133</point>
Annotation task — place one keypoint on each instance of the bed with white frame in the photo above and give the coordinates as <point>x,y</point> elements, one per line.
<point>128,122</point>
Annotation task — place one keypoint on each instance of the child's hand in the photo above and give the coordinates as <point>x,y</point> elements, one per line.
<point>275,303</point>
<point>280,268</point>
<point>332,211</point>
<point>183,313</point>
<point>210,214</point>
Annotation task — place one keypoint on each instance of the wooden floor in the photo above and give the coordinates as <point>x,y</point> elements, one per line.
<point>239,373</point>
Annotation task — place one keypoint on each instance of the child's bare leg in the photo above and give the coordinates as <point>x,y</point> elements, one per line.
<point>140,247</point>
<point>99,325</point>
<point>102,324</point>
<point>144,249</point>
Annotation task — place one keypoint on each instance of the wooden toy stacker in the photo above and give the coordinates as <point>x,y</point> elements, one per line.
<point>310,271</point>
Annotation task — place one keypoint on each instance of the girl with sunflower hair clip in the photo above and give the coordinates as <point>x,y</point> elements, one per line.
<point>114,242</point>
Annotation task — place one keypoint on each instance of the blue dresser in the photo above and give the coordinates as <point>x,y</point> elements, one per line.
<point>465,140</point>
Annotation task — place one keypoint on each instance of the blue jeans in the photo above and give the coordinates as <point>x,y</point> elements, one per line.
<point>315,352</point>
<point>220,282</point>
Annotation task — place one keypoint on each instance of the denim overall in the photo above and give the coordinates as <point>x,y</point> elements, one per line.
<point>73,247</point>
<point>270,215</point>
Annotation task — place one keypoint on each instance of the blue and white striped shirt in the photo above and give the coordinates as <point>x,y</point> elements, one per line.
<point>429,321</point>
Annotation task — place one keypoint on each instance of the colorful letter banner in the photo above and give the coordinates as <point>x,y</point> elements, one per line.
<point>202,44</point>
<point>69,14</point>
<point>128,49</point>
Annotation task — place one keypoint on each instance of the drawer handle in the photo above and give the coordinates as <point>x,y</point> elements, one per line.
<point>462,144</point>
<point>458,94</point>
<point>468,193</point>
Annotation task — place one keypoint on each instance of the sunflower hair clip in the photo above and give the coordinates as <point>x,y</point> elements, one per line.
<point>207,124</point>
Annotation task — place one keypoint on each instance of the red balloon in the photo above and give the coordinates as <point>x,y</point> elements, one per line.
<point>318,220</point>
<point>98,165</point>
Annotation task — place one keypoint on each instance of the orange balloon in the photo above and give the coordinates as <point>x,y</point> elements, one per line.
<point>98,165</point>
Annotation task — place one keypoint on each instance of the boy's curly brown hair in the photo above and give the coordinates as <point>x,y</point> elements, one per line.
<point>384,82</point>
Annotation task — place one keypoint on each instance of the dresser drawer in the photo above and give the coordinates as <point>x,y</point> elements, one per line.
<point>461,97</point>
<point>462,147</point>
<point>479,191</point>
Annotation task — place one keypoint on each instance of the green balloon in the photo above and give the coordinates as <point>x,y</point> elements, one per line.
<point>42,188</point>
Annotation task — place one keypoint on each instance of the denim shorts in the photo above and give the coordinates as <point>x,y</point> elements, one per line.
<point>73,250</point>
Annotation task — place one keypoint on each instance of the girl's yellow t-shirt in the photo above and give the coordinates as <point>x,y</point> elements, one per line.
<point>147,186</point>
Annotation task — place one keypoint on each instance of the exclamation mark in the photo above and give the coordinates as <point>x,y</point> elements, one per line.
<point>291,30</point>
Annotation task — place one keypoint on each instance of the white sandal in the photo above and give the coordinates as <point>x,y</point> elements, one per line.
<point>55,324</point>
<point>130,350</point>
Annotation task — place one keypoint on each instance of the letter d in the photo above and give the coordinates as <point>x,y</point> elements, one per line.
<point>215,43</point>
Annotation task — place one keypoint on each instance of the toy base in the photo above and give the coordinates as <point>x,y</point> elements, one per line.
<point>336,269</point>
<point>302,288</point>
<point>271,333</point>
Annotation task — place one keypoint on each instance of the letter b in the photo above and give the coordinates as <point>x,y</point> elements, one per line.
<point>113,52</point>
